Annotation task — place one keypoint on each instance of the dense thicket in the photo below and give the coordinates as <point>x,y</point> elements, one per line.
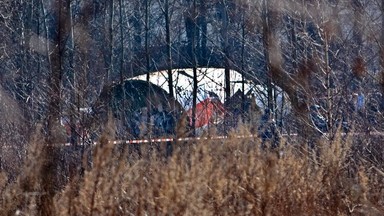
<point>56,56</point>
<point>317,52</point>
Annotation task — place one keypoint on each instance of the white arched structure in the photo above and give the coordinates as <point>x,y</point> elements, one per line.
<point>212,80</point>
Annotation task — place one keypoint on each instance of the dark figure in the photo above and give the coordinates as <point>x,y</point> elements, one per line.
<point>213,95</point>
<point>268,131</point>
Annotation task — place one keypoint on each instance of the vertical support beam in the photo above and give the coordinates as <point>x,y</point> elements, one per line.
<point>328,83</point>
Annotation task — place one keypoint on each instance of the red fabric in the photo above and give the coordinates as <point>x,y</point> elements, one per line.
<point>205,110</point>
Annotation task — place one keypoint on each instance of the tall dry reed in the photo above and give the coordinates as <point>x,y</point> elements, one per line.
<point>211,177</point>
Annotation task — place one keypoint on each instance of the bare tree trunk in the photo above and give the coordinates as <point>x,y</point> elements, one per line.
<point>147,54</point>
<point>243,101</point>
<point>121,6</point>
<point>328,74</point>
<point>169,46</point>
<point>296,83</point>
<point>110,68</point>
<point>224,7</point>
<point>169,64</point>
<point>382,56</point>
<point>72,80</point>
<point>357,59</point>
<point>227,74</point>
<point>195,81</point>
<point>357,41</point>
<point>124,116</point>
<point>294,48</point>
<point>50,154</point>
<point>204,31</point>
<point>267,33</point>
<point>148,66</point>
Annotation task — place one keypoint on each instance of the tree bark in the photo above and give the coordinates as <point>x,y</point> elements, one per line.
<point>382,56</point>
<point>148,65</point>
<point>227,74</point>
<point>121,6</point>
<point>195,81</point>
<point>110,66</point>
<point>267,33</point>
<point>50,154</point>
<point>169,47</point>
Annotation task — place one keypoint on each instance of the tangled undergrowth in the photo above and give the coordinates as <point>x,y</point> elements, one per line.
<point>208,177</point>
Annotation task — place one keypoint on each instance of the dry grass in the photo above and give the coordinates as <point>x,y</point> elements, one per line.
<point>230,177</point>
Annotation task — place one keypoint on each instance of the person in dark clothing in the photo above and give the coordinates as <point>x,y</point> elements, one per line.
<point>268,131</point>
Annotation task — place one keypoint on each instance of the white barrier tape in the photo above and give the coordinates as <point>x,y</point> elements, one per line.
<point>154,140</point>
<point>176,139</point>
<point>160,140</point>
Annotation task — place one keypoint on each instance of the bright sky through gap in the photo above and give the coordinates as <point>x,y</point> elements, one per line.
<point>209,79</point>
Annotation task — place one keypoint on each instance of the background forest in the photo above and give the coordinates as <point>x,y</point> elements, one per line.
<point>57,57</point>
